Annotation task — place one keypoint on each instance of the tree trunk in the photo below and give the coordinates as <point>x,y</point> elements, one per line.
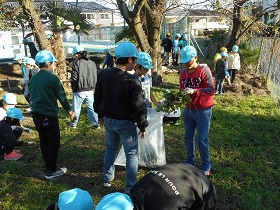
<point>35,24</point>
<point>59,53</point>
<point>145,21</point>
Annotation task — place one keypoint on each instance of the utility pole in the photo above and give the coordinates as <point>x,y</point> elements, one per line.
<point>79,38</point>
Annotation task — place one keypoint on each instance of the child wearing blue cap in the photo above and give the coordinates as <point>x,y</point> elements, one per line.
<point>233,63</point>
<point>45,90</point>
<point>120,104</point>
<point>221,73</point>
<point>109,60</point>
<point>144,63</point>
<point>9,138</point>
<point>74,199</point>
<point>197,81</point>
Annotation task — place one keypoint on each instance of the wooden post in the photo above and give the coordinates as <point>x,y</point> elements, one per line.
<point>9,86</point>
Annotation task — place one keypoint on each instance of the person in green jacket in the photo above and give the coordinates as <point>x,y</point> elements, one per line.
<point>45,89</point>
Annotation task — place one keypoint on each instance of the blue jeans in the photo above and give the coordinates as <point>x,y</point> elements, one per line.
<point>78,99</point>
<point>198,120</point>
<point>121,131</point>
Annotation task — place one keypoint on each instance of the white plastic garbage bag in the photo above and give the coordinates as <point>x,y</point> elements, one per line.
<point>151,149</point>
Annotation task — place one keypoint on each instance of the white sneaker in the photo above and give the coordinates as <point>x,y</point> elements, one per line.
<point>58,172</point>
<point>28,109</point>
<point>107,184</point>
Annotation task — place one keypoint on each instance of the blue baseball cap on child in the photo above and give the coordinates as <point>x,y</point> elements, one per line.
<point>115,201</point>
<point>187,53</point>
<point>14,113</point>
<point>45,56</point>
<point>145,60</point>
<point>235,48</point>
<point>126,50</point>
<point>75,199</point>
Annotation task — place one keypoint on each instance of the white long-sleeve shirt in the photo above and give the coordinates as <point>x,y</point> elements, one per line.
<point>233,61</point>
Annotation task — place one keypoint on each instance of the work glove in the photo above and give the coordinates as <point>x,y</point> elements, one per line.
<point>189,91</point>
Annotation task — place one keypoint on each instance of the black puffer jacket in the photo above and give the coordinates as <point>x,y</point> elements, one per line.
<point>84,75</point>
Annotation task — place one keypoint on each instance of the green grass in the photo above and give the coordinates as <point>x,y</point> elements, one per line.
<point>244,142</point>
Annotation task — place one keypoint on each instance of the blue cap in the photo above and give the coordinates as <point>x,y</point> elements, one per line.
<point>145,60</point>
<point>24,60</point>
<point>14,113</point>
<point>18,56</point>
<point>78,49</point>
<point>185,36</point>
<point>224,54</point>
<point>126,50</point>
<point>75,199</point>
<point>115,201</point>
<point>187,53</point>
<point>45,56</point>
<point>177,35</point>
<point>235,48</point>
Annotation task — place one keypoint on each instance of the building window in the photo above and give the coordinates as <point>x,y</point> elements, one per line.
<point>90,16</point>
<point>104,16</point>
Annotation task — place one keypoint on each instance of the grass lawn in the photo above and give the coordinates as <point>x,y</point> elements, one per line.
<point>244,149</point>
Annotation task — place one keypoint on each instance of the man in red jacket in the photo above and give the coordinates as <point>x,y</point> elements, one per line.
<point>197,81</point>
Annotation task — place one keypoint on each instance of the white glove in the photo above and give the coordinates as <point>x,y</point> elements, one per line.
<point>188,91</point>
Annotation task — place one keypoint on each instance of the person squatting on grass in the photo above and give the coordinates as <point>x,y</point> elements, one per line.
<point>119,98</point>
<point>83,81</point>
<point>169,187</point>
<point>45,89</point>
<point>9,138</point>
<point>74,199</point>
<point>197,81</point>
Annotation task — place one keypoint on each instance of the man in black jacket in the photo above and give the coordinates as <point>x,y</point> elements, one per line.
<point>169,187</point>
<point>120,99</point>
<point>167,45</point>
<point>83,80</point>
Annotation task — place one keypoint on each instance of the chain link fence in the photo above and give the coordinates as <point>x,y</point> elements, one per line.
<point>269,60</point>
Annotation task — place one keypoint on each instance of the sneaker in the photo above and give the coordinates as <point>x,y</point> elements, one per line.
<point>13,156</point>
<point>58,172</point>
<point>28,109</point>
<point>71,125</point>
<point>176,123</point>
<point>107,184</point>
<point>206,170</point>
<point>95,127</point>
<point>217,92</point>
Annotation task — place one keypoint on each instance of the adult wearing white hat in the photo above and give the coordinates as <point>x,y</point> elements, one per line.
<point>197,81</point>
<point>169,187</point>
<point>120,99</point>
<point>144,64</point>
<point>45,89</point>
<point>83,81</point>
